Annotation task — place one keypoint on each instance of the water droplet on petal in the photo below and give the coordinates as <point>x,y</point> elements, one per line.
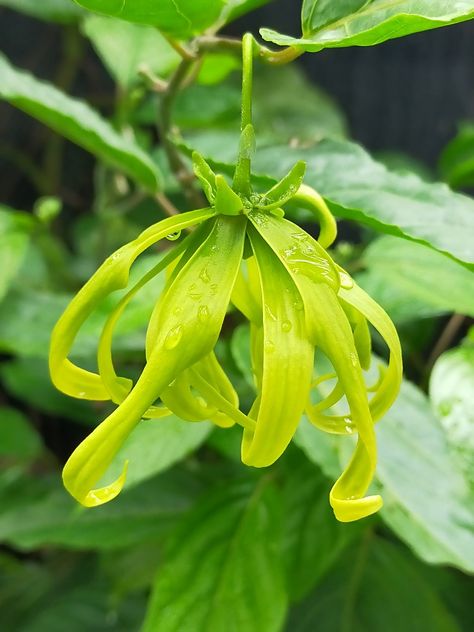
<point>174,337</point>
<point>349,429</point>
<point>204,276</point>
<point>286,326</point>
<point>174,236</point>
<point>346,282</point>
<point>354,359</point>
<point>81,394</point>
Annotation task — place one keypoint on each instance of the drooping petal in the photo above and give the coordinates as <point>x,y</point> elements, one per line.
<point>112,275</point>
<point>183,337</point>
<point>284,190</point>
<point>287,362</point>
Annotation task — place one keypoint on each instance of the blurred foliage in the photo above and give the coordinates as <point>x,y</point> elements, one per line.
<point>196,542</point>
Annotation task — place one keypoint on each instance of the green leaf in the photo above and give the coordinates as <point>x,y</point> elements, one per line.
<point>456,163</point>
<point>18,439</point>
<point>421,274</point>
<point>452,394</point>
<point>63,11</point>
<point>329,24</point>
<point>313,539</point>
<point>179,18</point>
<point>78,122</point>
<point>15,229</point>
<point>39,512</point>
<point>223,563</point>
<point>427,500</point>
<point>156,445</point>
<point>28,317</point>
<point>377,586</point>
<point>125,48</point>
<point>235,8</point>
<point>358,188</point>
<point>27,379</point>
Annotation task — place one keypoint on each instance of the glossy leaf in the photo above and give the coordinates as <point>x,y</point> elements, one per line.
<point>421,274</point>
<point>78,122</point>
<point>126,48</point>
<point>63,11</point>
<point>376,586</point>
<point>223,562</point>
<point>179,18</point>
<point>358,188</point>
<point>15,228</point>
<point>328,24</point>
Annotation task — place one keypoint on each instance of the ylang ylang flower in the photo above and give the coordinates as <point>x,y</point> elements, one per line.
<point>242,250</point>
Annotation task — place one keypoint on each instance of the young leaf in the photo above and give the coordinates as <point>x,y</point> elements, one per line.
<point>224,565</point>
<point>78,122</point>
<point>179,18</point>
<point>125,48</point>
<point>328,24</point>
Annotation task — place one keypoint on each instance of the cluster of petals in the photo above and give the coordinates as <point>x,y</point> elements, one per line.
<point>240,250</point>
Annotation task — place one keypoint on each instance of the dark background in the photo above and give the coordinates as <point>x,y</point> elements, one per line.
<point>407,94</point>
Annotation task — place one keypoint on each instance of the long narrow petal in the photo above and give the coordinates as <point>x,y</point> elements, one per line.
<point>112,275</point>
<point>287,362</point>
<point>182,339</point>
<point>310,199</point>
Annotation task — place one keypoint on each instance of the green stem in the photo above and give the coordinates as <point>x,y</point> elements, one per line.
<point>242,174</point>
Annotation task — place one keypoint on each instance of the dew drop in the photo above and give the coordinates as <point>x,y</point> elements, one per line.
<point>346,282</point>
<point>349,430</point>
<point>203,313</point>
<point>286,326</point>
<point>298,305</point>
<point>81,394</point>
<point>174,337</point>
<point>353,359</point>
<point>174,236</point>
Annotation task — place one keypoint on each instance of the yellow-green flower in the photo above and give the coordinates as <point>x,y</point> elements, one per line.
<point>241,250</point>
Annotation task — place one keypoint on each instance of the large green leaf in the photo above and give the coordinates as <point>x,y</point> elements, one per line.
<point>63,11</point>
<point>421,274</point>
<point>376,586</point>
<point>39,512</point>
<point>78,122</point>
<point>223,568</point>
<point>179,18</point>
<point>457,159</point>
<point>332,24</point>
<point>313,539</point>
<point>15,228</point>
<point>452,394</point>
<point>125,48</point>
<point>427,500</point>
<point>360,189</point>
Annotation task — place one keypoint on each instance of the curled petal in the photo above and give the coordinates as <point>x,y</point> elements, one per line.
<point>112,275</point>
<point>310,199</point>
<point>180,342</point>
<point>284,190</point>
